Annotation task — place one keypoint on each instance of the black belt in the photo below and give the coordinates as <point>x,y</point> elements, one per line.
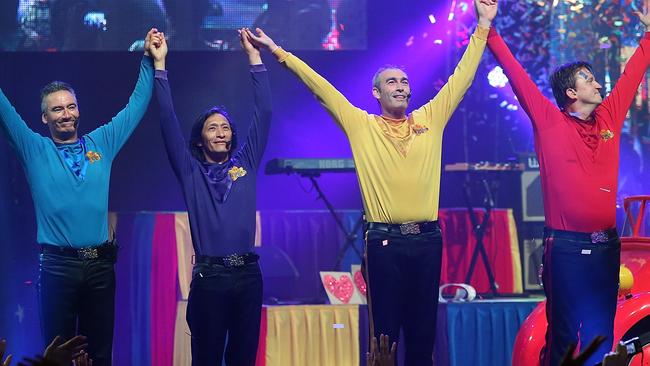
<point>601,236</point>
<point>406,228</point>
<point>232,260</point>
<point>106,250</point>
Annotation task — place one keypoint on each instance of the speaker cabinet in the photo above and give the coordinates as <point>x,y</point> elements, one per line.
<point>533,250</point>
<point>531,196</point>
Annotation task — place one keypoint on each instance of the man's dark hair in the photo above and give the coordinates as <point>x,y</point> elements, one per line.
<point>54,87</point>
<point>195,136</point>
<point>563,78</point>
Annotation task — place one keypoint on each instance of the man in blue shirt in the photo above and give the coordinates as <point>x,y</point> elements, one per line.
<point>69,178</point>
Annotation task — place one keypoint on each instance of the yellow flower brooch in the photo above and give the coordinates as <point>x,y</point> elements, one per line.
<point>236,172</point>
<point>606,134</point>
<point>93,156</point>
<point>419,129</point>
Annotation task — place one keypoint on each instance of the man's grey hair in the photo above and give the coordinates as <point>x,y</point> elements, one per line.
<point>54,87</point>
<point>375,79</point>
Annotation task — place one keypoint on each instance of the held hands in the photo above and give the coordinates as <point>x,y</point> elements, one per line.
<point>644,18</point>
<point>486,11</point>
<point>252,50</point>
<point>261,40</point>
<point>147,41</point>
<point>155,46</point>
<point>158,50</point>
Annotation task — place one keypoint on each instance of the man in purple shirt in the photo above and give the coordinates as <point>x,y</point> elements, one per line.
<point>218,181</point>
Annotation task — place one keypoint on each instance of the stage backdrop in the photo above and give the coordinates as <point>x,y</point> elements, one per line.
<point>155,264</point>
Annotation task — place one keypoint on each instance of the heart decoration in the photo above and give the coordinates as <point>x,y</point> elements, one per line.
<point>342,288</point>
<point>360,282</point>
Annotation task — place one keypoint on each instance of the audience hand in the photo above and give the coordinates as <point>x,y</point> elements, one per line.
<point>568,359</point>
<point>3,347</point>
<point>382,356</point>
<point>618,358</point>
<point>63,353</point>
<point>83,360</point>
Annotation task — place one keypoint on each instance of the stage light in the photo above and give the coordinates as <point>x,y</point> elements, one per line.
<point>432,19</point>
<point>497,78</point>
<point>409,43</point>
<point>451,11</point>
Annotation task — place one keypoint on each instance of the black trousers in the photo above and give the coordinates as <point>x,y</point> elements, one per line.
<point>403,276</point>
<point>581,285</point>
<point>225,302</point>
<point>78,297</point>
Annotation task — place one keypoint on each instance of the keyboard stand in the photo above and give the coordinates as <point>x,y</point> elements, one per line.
<point>350,237</point>
<point>479,228</point>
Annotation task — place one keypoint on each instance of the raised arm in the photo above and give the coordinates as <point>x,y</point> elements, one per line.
<point>534,103</point>
<point>115,133</point>
<point>343,112</point>
<point>619,100</point>
<point>20,137</point>
<point>258,133</point>
<point>439,109</point>
<point>175,144</point>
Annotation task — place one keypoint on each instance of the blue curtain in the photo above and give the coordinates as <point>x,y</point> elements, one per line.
<point>483,333</point>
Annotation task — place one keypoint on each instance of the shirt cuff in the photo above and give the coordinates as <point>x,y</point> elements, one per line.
<point>258,68</point>
<point>482,33</point>
<point>161,74</point>
<point>281,54</point>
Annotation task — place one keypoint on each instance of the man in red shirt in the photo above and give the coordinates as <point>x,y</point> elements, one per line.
<point>577,147</point>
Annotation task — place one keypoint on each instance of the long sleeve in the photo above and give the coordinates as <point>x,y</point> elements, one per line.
<point>343,112</point>
<point>113,135</point>
<point>442,106</point>
<point>175,144</point>
<point>20,137</point>
<point>619,100</point>
<point>258,133</point>
<point>535,104</point>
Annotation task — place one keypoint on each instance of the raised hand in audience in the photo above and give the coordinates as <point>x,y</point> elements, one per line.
<point>382,355</point>
<point>3,347</point>
<point>83,360</point>
<point>579,360</point>
<point>63,353</point>
<point>617,358</point>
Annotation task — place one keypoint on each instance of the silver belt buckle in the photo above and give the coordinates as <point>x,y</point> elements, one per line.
<point>233,260</point>
<point>599,237</point>
<point>409,228</point>
<point>88,253</point>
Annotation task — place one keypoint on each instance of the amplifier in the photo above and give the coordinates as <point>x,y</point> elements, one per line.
<point>531,196</point>
<point>532,263</point>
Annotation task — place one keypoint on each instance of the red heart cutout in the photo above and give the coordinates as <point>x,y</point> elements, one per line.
<point>342,288</point>
<point>360,282</point>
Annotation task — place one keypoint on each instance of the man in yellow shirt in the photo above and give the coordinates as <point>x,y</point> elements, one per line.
<point>397,158</point>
